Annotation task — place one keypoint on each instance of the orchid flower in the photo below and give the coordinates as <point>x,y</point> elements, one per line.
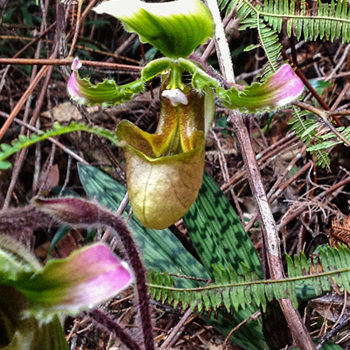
<point>164,170</point>
<point>32,297</point>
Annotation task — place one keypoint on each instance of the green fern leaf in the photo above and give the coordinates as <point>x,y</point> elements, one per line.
<point>329,21</point>
<point>23,141</point>
<point>304,128</point>
<point>235,292</point>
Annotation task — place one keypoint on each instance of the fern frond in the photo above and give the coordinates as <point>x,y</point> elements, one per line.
<point>23,141</point>
<point>306,129</point>
<point>329,21</point>
<point>306,279</point>
<point>329,140</point>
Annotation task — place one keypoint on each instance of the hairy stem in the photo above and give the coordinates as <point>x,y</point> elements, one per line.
<point>117,224</point>
<point>106,323</point>
<point>79,213</point>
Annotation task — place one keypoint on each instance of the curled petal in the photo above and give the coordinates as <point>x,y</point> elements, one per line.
<point>280,89</point>
<point>105,94</point>
<point>175,28</point>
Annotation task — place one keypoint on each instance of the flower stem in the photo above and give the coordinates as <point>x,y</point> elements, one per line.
<point>117,223</point>
<point>80,213</point>
<point>105,322</point>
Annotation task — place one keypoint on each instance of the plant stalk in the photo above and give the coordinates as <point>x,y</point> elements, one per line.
<point>118,225</point>
<point>268,224</point>
<point>269,230</point>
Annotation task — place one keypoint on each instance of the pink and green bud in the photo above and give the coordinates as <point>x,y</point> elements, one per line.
<point>105,94</point>
<point>277,91</point>
<point>88,277</point>
<point>175,28</point>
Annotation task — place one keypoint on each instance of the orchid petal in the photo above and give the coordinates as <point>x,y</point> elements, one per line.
<point>175,28</point>
<point>106,93</point>
<point>280,89</point>
<point>164,170</point>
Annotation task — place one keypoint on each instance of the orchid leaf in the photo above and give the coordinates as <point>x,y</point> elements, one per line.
<point>219,238</point>
<point>217,233</point>
<point>106,93</point>
<point>160,249</point>
<point>175,28</point>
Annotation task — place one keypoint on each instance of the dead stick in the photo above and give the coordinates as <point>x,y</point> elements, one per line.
<point>67,62</point>
<point>22,100</point>
<point>269,230</point>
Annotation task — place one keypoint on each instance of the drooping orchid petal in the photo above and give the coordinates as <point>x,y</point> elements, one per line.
<point>175,28</point>
<point>105,94</point>
<point>279,90</point>
<point>86,278</point>
<point>165,169</point>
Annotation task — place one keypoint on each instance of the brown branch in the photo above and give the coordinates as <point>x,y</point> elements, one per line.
<point>269,230</point>
<point>268,224</point>
<point>22,100</point>
<point>304,206</point>
<point>67,62</point>
<point>283,144</point>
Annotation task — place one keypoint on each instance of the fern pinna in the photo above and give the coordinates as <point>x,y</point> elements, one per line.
<point>23,141</point>
<point>306,279</point>
<point>324,20</point>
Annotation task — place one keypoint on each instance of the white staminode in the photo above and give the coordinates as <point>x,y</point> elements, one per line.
<point>176,97</point>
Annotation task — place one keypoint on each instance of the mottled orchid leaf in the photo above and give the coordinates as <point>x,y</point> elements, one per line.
<point>219,238</point>
<point>280,89</point>
<point>164,170</point>
<point>105,94</point>
<point>218,234</point>
<point>160,250</point>
<point>175,28</point>
<point>86,278</point>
